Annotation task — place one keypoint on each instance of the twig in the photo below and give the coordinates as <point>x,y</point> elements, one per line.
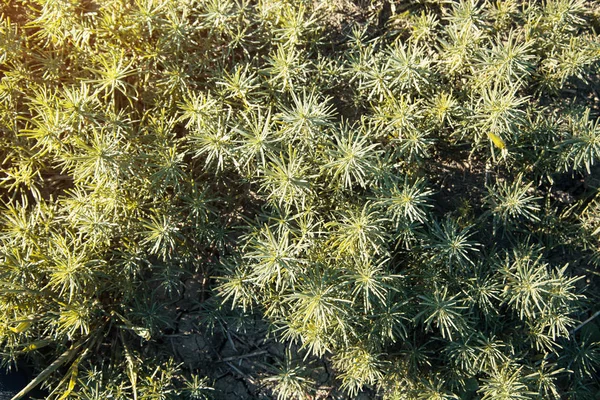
<point>230,340</point>
<point>234,358</point>
<point>243,375</point>
<point>176,335</point>
<point>62,359</point>
<point>585,322</point>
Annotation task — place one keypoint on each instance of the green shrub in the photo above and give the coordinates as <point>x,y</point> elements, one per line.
<point>408,195</point>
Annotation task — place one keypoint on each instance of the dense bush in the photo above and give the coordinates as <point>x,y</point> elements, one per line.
<point>405,193</point>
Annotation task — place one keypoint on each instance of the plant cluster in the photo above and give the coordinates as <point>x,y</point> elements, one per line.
<point>410,196</point>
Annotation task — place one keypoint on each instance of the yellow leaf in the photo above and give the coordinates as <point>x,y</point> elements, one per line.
<point>73,380</point>
<point>36,345</point>
<point>497,140</point>
<point>22,327</point>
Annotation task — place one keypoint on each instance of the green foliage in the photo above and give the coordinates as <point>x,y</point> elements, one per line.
<point>408,198</point>
<point>292,380</point>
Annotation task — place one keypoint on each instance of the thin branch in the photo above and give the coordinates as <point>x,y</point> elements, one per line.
<point>585,322</point>
<point>62,359</point>
<point>243,375</point>
<point>234,358</point>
